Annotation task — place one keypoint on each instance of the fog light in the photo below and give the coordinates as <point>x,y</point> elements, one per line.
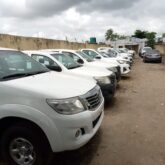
<point>78,133</point>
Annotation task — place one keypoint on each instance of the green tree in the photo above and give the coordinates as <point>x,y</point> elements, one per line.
<point>151,36</point>
<point>140,34</point>
<point>122,37</point>
<point>110,35</point>
<point>163,35</point>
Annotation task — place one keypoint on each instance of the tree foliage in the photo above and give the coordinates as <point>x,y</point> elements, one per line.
<point>110,35</point>
<point>163,35</point>
<point>140,34</point>
<point>150,36</point>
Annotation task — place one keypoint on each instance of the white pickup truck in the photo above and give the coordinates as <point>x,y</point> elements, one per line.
<point>65,64</point>
<point>43,111</point>
<point>85,60</point>
<point>124,67</point>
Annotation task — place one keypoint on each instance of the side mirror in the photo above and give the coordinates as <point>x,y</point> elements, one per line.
<point>98,57</point>
<point>80,61</point>
<point>54,68</point>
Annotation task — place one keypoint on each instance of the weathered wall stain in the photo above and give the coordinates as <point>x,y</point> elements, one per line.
<point>31,43</point>
<point>161,49</point>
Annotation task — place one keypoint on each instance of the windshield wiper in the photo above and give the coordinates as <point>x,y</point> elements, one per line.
<point>22,74</point>
<point>75,67</point>
<point>38,72</point>
<point>16,75</point>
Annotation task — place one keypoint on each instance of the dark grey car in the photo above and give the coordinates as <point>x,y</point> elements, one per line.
<point>152,56</point>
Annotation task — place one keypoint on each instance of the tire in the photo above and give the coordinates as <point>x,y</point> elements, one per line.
<point>24,134</point>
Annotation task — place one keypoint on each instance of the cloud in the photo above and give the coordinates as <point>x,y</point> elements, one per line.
<point>50,7</point>
<point>80,19</point>
<point>106,5</point>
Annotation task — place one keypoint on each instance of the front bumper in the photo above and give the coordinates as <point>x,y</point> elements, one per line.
<point>118,74</point>
<point>87,123</point>
<point>147,59</point>
<point>108,90</point>
<point>125,69</point>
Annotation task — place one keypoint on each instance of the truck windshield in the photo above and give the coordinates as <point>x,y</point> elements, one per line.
<point>123,51</point>
<point>67,61</point>
<point>90,53</point>
<point>15,64</point>
<point>88,58</point>
<point>147,49</point>
<point>120,51</point>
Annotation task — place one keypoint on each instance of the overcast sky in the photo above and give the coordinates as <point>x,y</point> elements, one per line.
<point>80,19</point>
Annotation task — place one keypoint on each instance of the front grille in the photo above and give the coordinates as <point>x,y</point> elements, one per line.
<point>113,79</point>
<point>118,69</point>
<point>93,98</point>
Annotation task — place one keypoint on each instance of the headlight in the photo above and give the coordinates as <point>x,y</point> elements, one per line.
<point>103,80</point>
<point>66,106</point>
<point>121,61</point>
<point>113,69</point>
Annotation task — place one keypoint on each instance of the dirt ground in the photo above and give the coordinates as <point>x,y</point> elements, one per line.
<point>133,130</point>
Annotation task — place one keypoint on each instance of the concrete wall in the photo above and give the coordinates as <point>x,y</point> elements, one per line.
<point>161,48</point>
<point>133,47</point>
<point>28,43</point>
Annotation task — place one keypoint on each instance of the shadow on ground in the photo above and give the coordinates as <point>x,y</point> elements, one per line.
<point>126,77</point>
<point>82,156</point>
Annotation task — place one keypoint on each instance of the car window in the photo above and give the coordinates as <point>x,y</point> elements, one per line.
<point>147,49</point>
<point>46,61</point>
<point>72,55</point>
<point>85,56</point>
<point>66,60</point>
<point>90,53</point>
<point>15,62</point>
<point>111,53</point>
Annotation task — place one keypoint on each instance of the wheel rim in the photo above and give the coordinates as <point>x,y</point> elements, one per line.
<point>22,151</point>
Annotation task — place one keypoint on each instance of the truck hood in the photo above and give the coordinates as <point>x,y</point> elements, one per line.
<point>101,64</point>
<point>52,85</point>
<point>131,51</point>
<point>112,59</point>
<point>124,55</point>
<point>88,71</point>
<point>109,61</point>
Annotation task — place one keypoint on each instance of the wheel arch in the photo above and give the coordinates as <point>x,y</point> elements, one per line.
<point>7,122</point>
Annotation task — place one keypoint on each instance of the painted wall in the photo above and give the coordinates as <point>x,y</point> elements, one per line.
<point>31,43</point>
<point>161,48</point>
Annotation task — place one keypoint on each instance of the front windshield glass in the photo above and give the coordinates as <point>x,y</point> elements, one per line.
<point>104,54</point>
<point>15,64</point>
<point>121,51</point>
<point>88,58</point>
<point>111,53</point>
<point>67,61</point>
<point>90,53</point>
<point>152,51</point>
<point>125,49</point>
<point>147,49</point>
<point>117,50</point>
